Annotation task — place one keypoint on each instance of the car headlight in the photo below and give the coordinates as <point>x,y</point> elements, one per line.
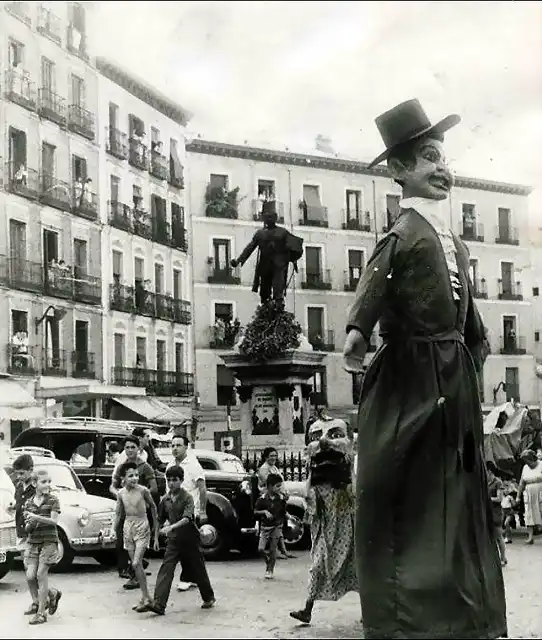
<point>83,518</point>
<point>246,487</point>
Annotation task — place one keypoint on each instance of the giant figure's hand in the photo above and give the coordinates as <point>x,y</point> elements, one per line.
<point>354,351</point>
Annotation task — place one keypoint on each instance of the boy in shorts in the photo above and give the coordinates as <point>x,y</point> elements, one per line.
<point>271,507</point>
<point>133,500</point>
<point>40,513</point>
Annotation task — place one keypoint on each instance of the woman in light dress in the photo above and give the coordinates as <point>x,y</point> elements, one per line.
<point>530,488</point>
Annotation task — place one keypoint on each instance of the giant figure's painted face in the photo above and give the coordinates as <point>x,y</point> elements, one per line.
<point>329,440</point>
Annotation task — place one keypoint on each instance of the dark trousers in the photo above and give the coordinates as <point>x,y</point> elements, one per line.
<point>273,281</point>
<point>186,551</point>
<point>123,559</point>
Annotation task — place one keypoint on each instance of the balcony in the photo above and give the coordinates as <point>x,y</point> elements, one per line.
<point>51,107</point>
<point>480,288</point>
<point>356,221</point>
<point>22,181</point>
<point>155,382</point>
<point>221,203</point>
<point>72,283</point>
<point>320,280</point>
<point>120,216</point>
<point>509,290</point>
<point>313,216</point>
<point>158,167</point>
<point>161,231</point>
<point>350,280</point>
<point>322,340</point>
<point>83,365</point>
<point>54,364</point>
<point>81,121</point>
<point>141,224</point>
<point>138,301</point>
<point>257,211</point>
<point>471,231</point>
<point>77,42</point>
<point>223,335</point>
<point>506,235</point>
<point>55,193</point>
<point>22,360</point>
<point>138,154</point>
<point>85,202</point>
<point>20,10</point>
<point>49,24</point>
<point>20,89</point>
<point>116,143</point>
<point>178,234</point>
<point>22,274</point>
<point>182,313</point>
<point>224,275</point>
<point>512,345</point>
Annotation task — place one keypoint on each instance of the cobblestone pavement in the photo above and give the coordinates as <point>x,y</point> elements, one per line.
<point>95,606</point>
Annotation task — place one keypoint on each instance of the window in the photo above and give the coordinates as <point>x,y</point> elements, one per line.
<point>17,149</point>
<point>179,357</point>
<point>161,359</point>
<point>81,359</point>
<point>509,333</point>
<point>158,208</point>
<point>313,262</point>
<point>536,292</point>
<point>119,349</point>
<point>80,258</point>
<point>79,168</point>
<point>504,221</point>
<point>141,352</point>
<point>208,464</point>
<point>356,265</point>
<point>47,75</point>
<point>311,195</point>
<point>393,210</point>
<point>113,115</point>
<point>537,336</point>
<point>222,254</point>
<point>136,126</point>
<point>17,240</point>
<point>50,247</point>
<point>468,219</point>
<point>19,322</point>
<point>47,165</point>
<point>78,91</point>
<point>223,311</point>
<point>175,166</point>
<point>114,188</point>
<point>512,383</point>
<point>177,214</point>
<point>137,195</point>
<point>16,54</point>
<point>266,189</point>
<point>473,270</point>
<point>117,266</point>
<point>319,387</point>
<point>353,204</point>
<point>155,139</point>
<point>225,387</point>
<point>217,180</point>
<point>507,269</point>
<point>315,325</point>
<point>177,284</point>
<point>158,278</point>
<point>139,270</point>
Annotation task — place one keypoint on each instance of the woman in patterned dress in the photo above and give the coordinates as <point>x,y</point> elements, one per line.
<point>331,509</point>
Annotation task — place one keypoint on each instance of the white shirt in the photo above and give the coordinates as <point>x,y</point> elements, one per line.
<point>434,212</point>
<point>142,455</point>
<point>193,471</point>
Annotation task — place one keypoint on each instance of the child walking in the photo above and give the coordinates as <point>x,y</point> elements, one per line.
<point>271,507</point>
<point>183,544</point>
<point>508,503</point>
<point>133,500</point>
<point>40,514</point>
<point>495,486</point>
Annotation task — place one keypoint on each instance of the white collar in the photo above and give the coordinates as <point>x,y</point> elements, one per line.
<point>432,210</point>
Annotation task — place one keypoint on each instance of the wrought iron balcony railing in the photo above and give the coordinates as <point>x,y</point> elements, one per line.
<point>138,154</point>
<point>356,221</point>
<point>480,288</point>
<point>20,89</point>
<point>322,340</point>
<point>137,300</point>
<point>313,216</point>
<point>224,275</point>
<point>512,344</point>
<point>120,216</point>
<point>223,336</point>
<point>22,360</point>
<point>49,24</point>
<point>316,279</point>
<point>471,231</point>
<point>161,231</point>
<point>116,143</point>
<point>506,235</point>
<point>54,363</point>
<point>351,279</point>
<point>155,382</point>
<point>54,192</point>
<point>141,224</point>
<point>22,274</point>
<point>83,364</point>
<point>51,106</point>
<point>23,181</point>
<point>509,290</point>
<point>81,121</point>
<point>85,202</point>
<point>257,210</point>
<point>158,166</point>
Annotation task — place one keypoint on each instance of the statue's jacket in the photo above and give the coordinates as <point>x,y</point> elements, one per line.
<point>273,252</point>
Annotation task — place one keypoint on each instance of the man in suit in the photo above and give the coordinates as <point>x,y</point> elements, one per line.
<point>427,557</point>
<point>277,247</point>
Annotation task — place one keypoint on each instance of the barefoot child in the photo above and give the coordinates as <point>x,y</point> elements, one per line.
<point>271,508</point>
<point>183,544</point>
<point>40,513</point>
<point>133,500</point>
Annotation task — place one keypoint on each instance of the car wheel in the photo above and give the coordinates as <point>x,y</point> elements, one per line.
<point>106,558</point>
<point>213,538</point>
<point>5,567</point>
<point>297,534</point>
<point>65,553</point>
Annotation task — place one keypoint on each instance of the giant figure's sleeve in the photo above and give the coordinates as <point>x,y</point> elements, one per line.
<point>476,334</point>
<point>371,291</point>
<point>247,251</point>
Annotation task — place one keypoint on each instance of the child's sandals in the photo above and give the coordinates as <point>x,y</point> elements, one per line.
<point>39,618</point>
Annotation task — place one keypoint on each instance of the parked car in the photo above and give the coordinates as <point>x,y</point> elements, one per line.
<point>231,493</point>
<point>8,532</point>
<point>85,523</point>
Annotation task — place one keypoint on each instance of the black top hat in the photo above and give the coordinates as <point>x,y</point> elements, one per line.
<point>269,208</point>
<point>406,122</point>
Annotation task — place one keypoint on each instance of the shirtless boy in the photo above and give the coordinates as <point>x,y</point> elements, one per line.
<point>133,500</point>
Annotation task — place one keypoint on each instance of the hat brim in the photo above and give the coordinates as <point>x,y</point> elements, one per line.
<point>441,127</point>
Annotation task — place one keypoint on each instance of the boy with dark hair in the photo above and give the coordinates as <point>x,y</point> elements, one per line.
<point>271,508</point>
<point>40,514</point>
<point>183,544</point>
<point>133,501</point>
<point>23,468</point>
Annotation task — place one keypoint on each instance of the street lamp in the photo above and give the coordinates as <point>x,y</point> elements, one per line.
<point>50,312</point>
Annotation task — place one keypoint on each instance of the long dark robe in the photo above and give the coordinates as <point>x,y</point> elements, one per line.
<point>427,558</point>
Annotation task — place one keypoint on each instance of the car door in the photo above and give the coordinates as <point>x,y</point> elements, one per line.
<point>78,448</point>
<point>104,465</point>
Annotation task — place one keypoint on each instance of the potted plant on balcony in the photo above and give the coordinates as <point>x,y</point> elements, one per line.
<point>221,203</point>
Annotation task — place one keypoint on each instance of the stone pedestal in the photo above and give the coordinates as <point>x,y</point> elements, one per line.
<point>274,397</point>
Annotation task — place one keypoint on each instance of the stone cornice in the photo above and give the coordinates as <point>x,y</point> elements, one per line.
<point>334,164</point>
<point>144,92</point>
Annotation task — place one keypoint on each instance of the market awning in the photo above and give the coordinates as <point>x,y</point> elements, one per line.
<point>16,403</point>
<point>153,409</point>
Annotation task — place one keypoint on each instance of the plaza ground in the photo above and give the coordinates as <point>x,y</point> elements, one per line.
<point>94,604</point>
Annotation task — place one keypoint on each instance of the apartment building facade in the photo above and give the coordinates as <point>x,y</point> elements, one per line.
<point>50,266</point>
<point>341,209</point>
<point>145,246</point>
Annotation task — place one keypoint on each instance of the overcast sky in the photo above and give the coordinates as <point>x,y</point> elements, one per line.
<point>279,73</point>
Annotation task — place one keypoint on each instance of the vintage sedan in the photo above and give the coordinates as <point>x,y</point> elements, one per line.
<point>85,524</point>
<point>8,534</point>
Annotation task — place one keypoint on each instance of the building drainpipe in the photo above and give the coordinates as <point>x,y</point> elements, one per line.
<point>192,332</point>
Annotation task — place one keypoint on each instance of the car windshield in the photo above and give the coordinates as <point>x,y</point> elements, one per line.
<point>232,464</point>
<point>62,477</point>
